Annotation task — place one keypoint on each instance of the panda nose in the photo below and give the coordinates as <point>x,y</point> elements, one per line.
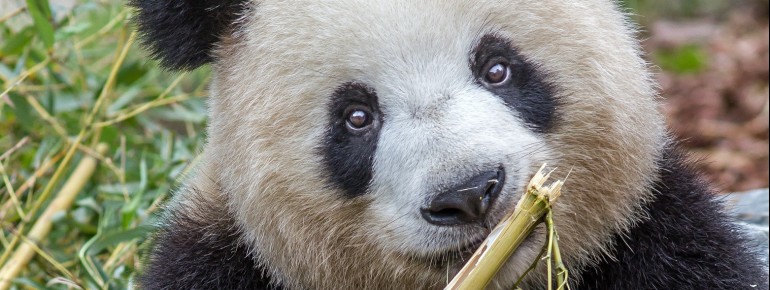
<point>466,203</point>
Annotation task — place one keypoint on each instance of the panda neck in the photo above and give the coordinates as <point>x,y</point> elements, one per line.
<point>200,245</point>
<point>686,236</point>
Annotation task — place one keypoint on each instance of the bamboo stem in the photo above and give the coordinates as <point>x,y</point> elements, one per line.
<point>27,185</point>
<point>15,148</point>
<point>507,236</point>
<point>549,256</point>
<point>562,274</point>
<point>44,223</point>
<point>12,14</point>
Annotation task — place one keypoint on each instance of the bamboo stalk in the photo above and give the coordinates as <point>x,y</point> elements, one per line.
<point>15,148</point>
<point>562,274</point>
<point>43,226</point>
<point>507,236</point>
<point>12,14</point>
<point>28,184</point>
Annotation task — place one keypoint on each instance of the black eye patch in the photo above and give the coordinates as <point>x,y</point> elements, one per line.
<point>527,92</point>
<point>349,155</point>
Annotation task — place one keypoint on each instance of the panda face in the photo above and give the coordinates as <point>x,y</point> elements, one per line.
<point>438,123</point>
<point>361,140</point>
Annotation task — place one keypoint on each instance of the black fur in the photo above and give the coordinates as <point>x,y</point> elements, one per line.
<point>201,249</point>
<point>528,93</point>
<point>182,33</point>
<point>349,157</point>
<point>688,242</point>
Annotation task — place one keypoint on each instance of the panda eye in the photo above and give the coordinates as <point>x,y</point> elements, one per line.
<point>497,73</point>
<point>358,118</point>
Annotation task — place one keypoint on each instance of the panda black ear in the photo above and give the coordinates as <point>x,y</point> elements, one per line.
<point>182,33</point>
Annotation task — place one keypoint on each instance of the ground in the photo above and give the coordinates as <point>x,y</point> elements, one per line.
<point>718,103</point>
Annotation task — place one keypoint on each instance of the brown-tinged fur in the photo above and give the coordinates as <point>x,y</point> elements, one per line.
<point>268,107</point>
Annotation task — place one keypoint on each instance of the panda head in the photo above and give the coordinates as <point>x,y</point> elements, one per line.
<point>357,143</point>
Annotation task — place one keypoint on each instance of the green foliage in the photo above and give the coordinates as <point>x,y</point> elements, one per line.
<point>55,65</point>
<point>645,11</point>
<point>682,60</point>
<point>40,11</point>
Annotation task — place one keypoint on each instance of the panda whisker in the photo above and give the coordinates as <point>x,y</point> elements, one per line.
<point>395,219</point>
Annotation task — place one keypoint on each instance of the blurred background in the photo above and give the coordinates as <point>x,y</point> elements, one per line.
<point>712,59</point>
<point>72,76</point>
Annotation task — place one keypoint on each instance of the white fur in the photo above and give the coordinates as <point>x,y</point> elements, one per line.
<point>269,114</point>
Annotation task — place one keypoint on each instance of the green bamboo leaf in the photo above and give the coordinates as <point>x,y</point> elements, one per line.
<point>29,283</point>
<point>116,237</point>
<point>66,32</point>
<point>25,114</point>
<point>40,11</point>
<point>130,73</point>
<point>15,43</point>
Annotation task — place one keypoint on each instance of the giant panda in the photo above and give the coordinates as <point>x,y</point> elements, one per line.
<point>358,144</point>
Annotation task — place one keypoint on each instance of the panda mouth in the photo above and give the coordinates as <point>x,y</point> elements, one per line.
<point>457,256</point>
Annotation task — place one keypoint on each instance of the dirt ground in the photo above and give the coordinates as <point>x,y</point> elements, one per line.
<point>720,112</point>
